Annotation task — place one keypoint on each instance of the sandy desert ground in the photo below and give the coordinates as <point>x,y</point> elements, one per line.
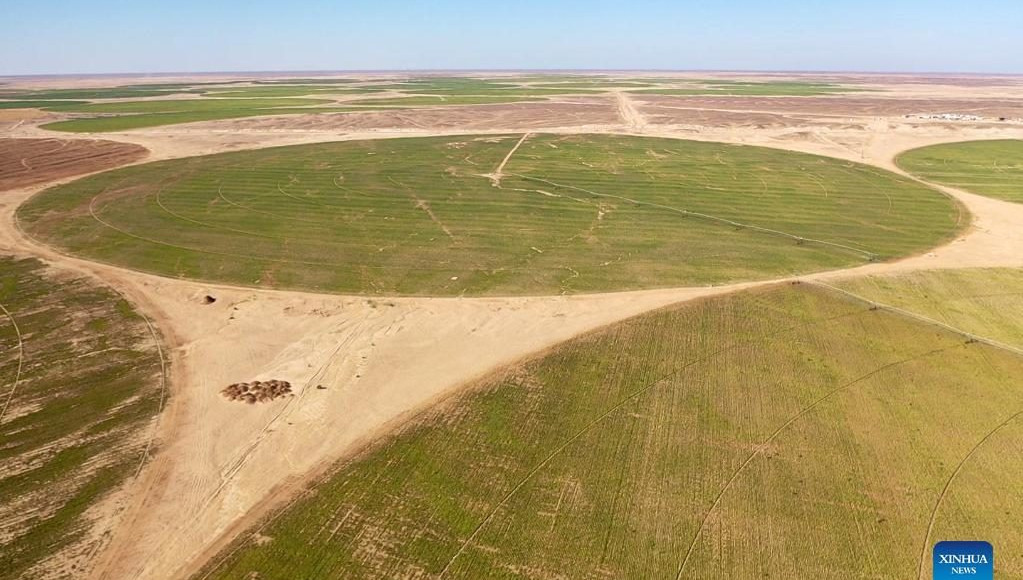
<point>219,465</point>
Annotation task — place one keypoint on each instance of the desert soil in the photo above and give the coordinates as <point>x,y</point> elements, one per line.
<point>221,464</point>
<point>26,162</point>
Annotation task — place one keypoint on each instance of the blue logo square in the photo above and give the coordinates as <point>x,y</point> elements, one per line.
<point>964,560</point>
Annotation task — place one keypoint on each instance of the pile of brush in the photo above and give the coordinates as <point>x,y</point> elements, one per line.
<point>258,391</point>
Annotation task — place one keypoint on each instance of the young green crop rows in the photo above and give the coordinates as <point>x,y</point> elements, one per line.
<point>80,383</point>
<point>987,302</point>
<point>991,168</point>
<point>788,432</point>
<point>424,216</point>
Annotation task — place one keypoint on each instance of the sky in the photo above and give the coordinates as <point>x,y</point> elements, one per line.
<point>142,36</point>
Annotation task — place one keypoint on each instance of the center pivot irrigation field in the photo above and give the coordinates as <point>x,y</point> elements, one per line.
<point>788,432</point>
<point>81,380</point>
<point>991,168</point>
<point>492,215</point>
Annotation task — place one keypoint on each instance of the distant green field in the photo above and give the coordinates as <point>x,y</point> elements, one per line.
<point>305,81</point>
<point>80,383</point>
<point>126,115</point>
<point>753,88</point>
<point>35,104</point>
<point>453,83</point>
<point>582,213</point>
<point>466,87</point>
<point>787,432</point>
<point>141,121</point>
<point>443,100</point>
<point>288,91</point>
<point>523,91</point>
<point>102,93</point>
<point>985,301</point>
<point>991,168</point>
<point>594,84</point>
<point>185,105</point>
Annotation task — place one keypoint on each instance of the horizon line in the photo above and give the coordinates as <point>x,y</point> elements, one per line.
<point>507,70</point>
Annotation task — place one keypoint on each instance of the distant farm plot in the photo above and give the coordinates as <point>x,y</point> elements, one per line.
<point>125,115</point>
<point>271,91</point>
<point>36,104</point>
<point>492,215</point>
<point>788,432</point>
<point>437,100</point>
<point>991,168</point>
<point>987,302</point>
<point>80,382</point>
<point>752,88</point>
<point>25,162</point>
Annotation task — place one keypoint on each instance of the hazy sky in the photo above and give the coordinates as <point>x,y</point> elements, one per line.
<point>96,36</point>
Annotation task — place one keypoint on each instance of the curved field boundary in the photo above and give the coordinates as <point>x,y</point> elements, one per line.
<point>21,362</point>
<point>632,396</point>
<point>783,427</point>
<point>971,166</point>
<point>492,243</point>
<point>685,213</point>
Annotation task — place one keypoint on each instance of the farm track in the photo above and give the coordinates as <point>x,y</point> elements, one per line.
<point>171,295</point>
<point>498,173</point>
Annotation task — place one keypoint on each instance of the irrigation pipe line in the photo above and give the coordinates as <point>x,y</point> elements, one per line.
<point>921,318</point>
<point>803,412</point>
<point>948,485</point>
<point>21,362</point>
<point>799,239</point>
<point>677,371</point>
<point>158,342</point>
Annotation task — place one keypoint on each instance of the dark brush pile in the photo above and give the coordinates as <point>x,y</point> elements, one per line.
<point>258,391</point>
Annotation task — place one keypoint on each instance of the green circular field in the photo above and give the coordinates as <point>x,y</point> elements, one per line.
<point>990,168</point>
<point>580,213</point>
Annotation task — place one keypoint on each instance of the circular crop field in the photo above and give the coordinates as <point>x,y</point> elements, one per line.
<point>991,168</point>
<point>492,215</point>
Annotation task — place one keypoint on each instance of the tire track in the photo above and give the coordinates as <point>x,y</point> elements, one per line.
<point>495,177</point>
